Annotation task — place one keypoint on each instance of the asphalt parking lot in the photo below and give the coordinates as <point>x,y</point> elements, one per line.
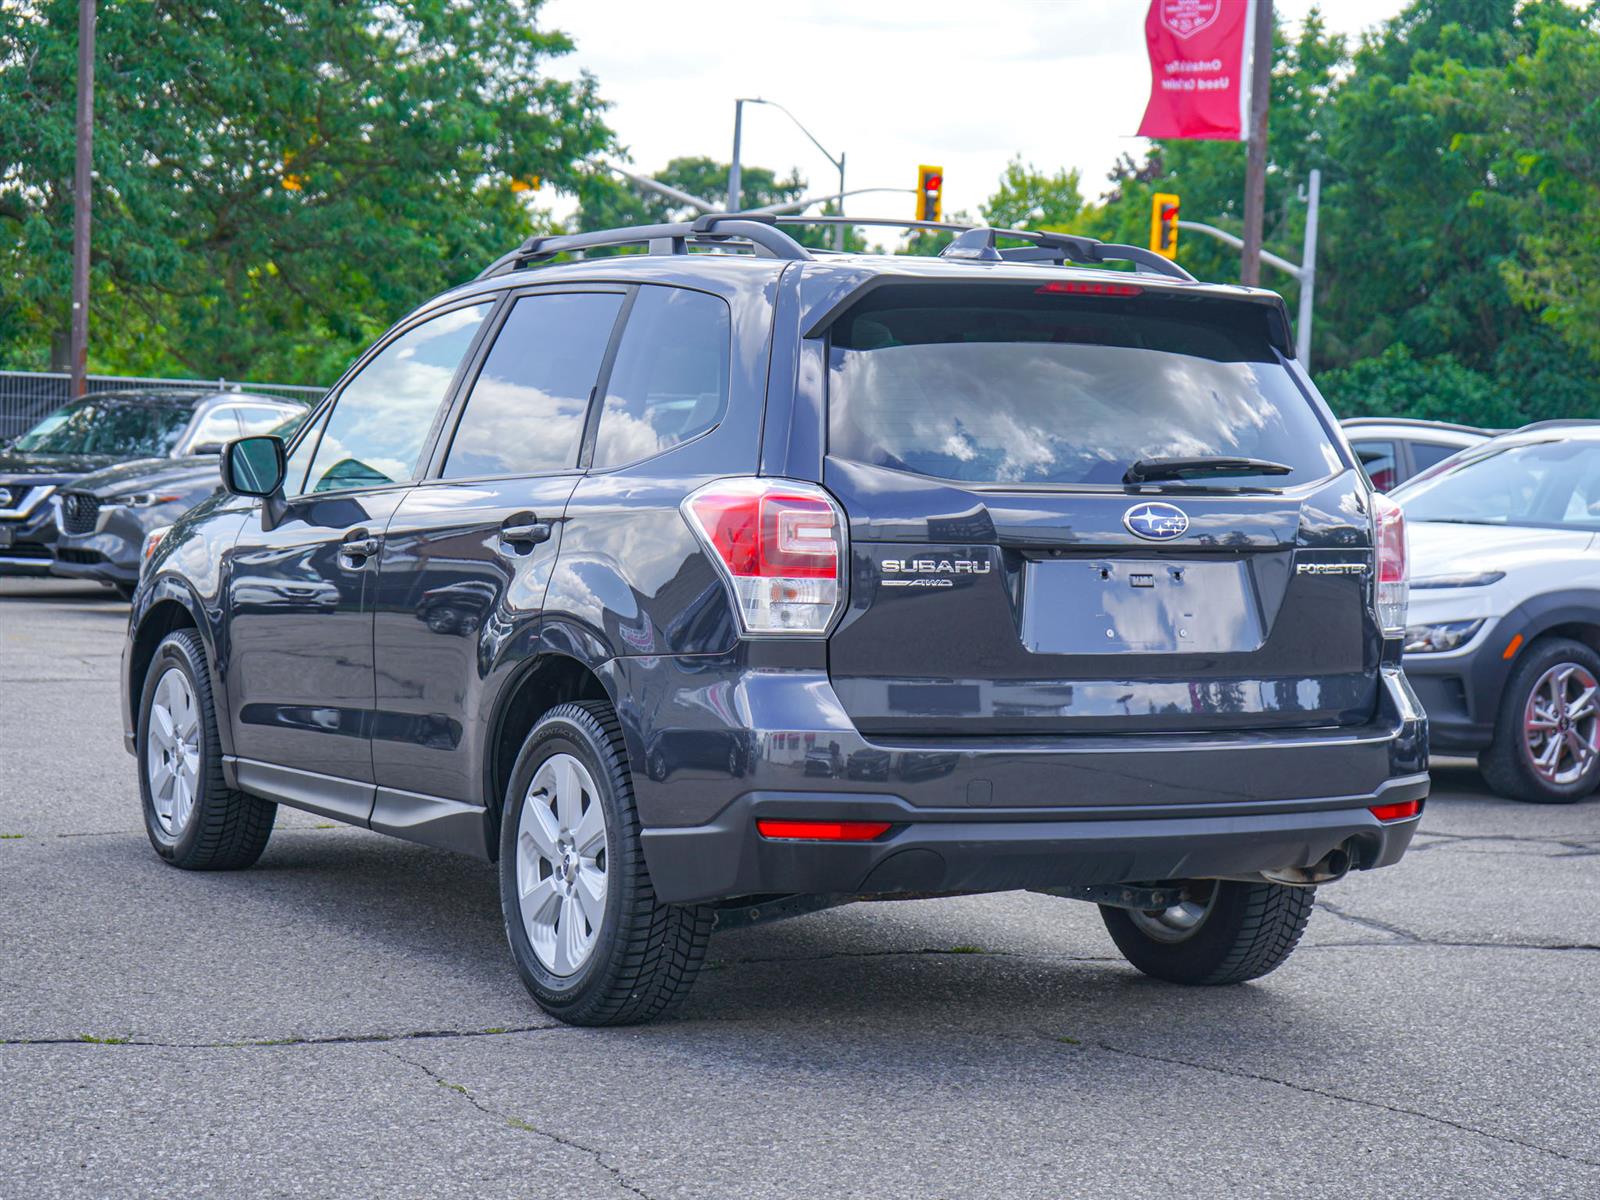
<point>344,1019</point>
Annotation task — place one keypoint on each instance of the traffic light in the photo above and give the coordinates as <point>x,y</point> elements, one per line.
<point>1164,224</point>
<point>930,189</point>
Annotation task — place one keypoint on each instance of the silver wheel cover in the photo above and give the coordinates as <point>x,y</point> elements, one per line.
<point>1175,924</point>
<point>1561,724</point>
<point>561,864</point>
<point>172,752</point>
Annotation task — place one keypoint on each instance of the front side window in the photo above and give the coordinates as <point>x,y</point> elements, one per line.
<point>1551,484</point>
<point>526,411</point>
<point>1024,386</point>
<point>382,417</point>
<point>108,425</point>
<point>670,380</point>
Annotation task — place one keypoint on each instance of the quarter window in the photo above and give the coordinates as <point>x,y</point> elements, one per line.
<point>1378,461</point>
<point>670,380</point>
<point>526,411</point>
<point>381,419</point>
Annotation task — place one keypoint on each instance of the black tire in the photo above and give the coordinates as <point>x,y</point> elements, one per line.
<point>1248,930</point>
<point>1507,764</point>
<point>646,954</point>
<point>227,829</point>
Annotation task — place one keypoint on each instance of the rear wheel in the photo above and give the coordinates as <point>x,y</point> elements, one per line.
<point>193,818</point>
<point>1224,932</point>
<point>589,939</point>
<point>1546,746</point>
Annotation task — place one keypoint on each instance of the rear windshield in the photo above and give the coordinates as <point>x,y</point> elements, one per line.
<point>1015,386</point>
<point>125,428</point>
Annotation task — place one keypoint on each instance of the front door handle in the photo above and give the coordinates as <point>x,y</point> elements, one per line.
<point>525,528</point>
<point>357,547</point>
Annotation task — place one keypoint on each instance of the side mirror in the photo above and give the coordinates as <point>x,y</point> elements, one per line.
<point>254,466</point>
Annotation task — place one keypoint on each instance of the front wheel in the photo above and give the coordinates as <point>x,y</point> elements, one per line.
<point>590,941</point>
<point>1546,746</point>
<point>1223,932</point>
<point>193,818</point>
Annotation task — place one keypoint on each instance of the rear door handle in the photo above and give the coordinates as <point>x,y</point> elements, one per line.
<point>525,528</point>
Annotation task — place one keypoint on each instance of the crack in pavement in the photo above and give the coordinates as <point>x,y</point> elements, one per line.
<point>347,1039</point>
<point>1398,1110</point>
<point>599,1156</point>
<point>1572,847</point>
<point>1412,938</point>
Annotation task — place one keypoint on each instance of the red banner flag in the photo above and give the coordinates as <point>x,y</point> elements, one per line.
<point>1199,77</point>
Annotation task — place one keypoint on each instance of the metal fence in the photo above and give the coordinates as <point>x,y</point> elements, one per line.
<point>28,396</point>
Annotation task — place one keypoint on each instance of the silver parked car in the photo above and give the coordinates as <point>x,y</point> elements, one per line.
<point>1394,449</point>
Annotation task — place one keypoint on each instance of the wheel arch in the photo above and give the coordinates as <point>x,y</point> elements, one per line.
<point>168,606</point>
<point>1572,613</point>
<point>542,682</point>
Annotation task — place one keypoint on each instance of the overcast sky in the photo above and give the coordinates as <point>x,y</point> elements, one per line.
<point>890,84</point>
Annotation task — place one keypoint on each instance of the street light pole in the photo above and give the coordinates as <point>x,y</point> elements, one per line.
<point>735,198</point>
<point>81,185</point>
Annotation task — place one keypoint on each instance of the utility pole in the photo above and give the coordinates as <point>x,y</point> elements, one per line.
<point>1255,175</point>
<point>80,199</point>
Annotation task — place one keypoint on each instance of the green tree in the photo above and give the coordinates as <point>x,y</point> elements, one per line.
<point>276,181</point>
<point>1029,199</point>
<point>1438,389</point>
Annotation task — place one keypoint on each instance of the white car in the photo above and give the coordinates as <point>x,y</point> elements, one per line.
<point>1394,449</point>
<point>1504,619</point>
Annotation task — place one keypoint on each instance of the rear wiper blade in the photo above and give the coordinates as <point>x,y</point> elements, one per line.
<point>1147,470</point>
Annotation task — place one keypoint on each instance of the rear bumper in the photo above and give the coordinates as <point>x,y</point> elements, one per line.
<point>719,743</point>
<point>932,851</point>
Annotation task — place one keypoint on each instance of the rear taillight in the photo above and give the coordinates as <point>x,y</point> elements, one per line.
<point>1393,573</point>
<point>781,546</point>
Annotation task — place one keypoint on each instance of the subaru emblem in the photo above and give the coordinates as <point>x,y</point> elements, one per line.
<point>1155,521</point>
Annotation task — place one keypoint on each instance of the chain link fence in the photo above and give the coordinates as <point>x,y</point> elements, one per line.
<point>28,396</point>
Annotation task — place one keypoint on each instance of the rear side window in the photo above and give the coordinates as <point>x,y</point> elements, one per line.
<point>1019,386</point>
<point>670,379</point>
<point>1378,461</point>
<point>526,411</point>
<point>382,418</point>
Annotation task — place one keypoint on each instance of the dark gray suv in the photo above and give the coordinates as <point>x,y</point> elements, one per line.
<point>733,580</point>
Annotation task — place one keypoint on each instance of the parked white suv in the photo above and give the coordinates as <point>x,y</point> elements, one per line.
<point>1395,449</point>
<point>1504,622</point>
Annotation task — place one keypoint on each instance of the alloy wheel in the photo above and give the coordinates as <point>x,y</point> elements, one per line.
<point>172,751</point>
<point>1177,923</point>
<point>1561,723</point>
<point>561,864</point>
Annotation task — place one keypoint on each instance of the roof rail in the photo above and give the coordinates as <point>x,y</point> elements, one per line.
<point>977,243</point>
<point>752,229</point>
<point>1558,423</point>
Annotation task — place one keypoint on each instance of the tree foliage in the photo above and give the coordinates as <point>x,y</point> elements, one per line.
<point>608,201</point>
<point>1460,243</point>
<point>1031,199</point>
<point>275,181</point>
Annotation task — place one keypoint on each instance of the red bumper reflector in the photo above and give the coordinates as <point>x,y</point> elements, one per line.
<point>1396,812</point>
<point>823,831</point>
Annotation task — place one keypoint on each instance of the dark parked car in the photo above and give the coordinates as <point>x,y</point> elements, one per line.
<point>105,429</point>
<point>805,579</point>
<point>104,518</point>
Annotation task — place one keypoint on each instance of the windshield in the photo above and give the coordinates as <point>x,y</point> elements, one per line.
<point>1009,386</point>
<point>107,425</point>
<point>1552,484</point>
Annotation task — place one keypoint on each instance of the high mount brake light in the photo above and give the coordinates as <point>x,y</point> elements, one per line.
<point>1393,576</point>
<point>780,544</point>
<point>1077,287</point>
<point>823,831</point>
